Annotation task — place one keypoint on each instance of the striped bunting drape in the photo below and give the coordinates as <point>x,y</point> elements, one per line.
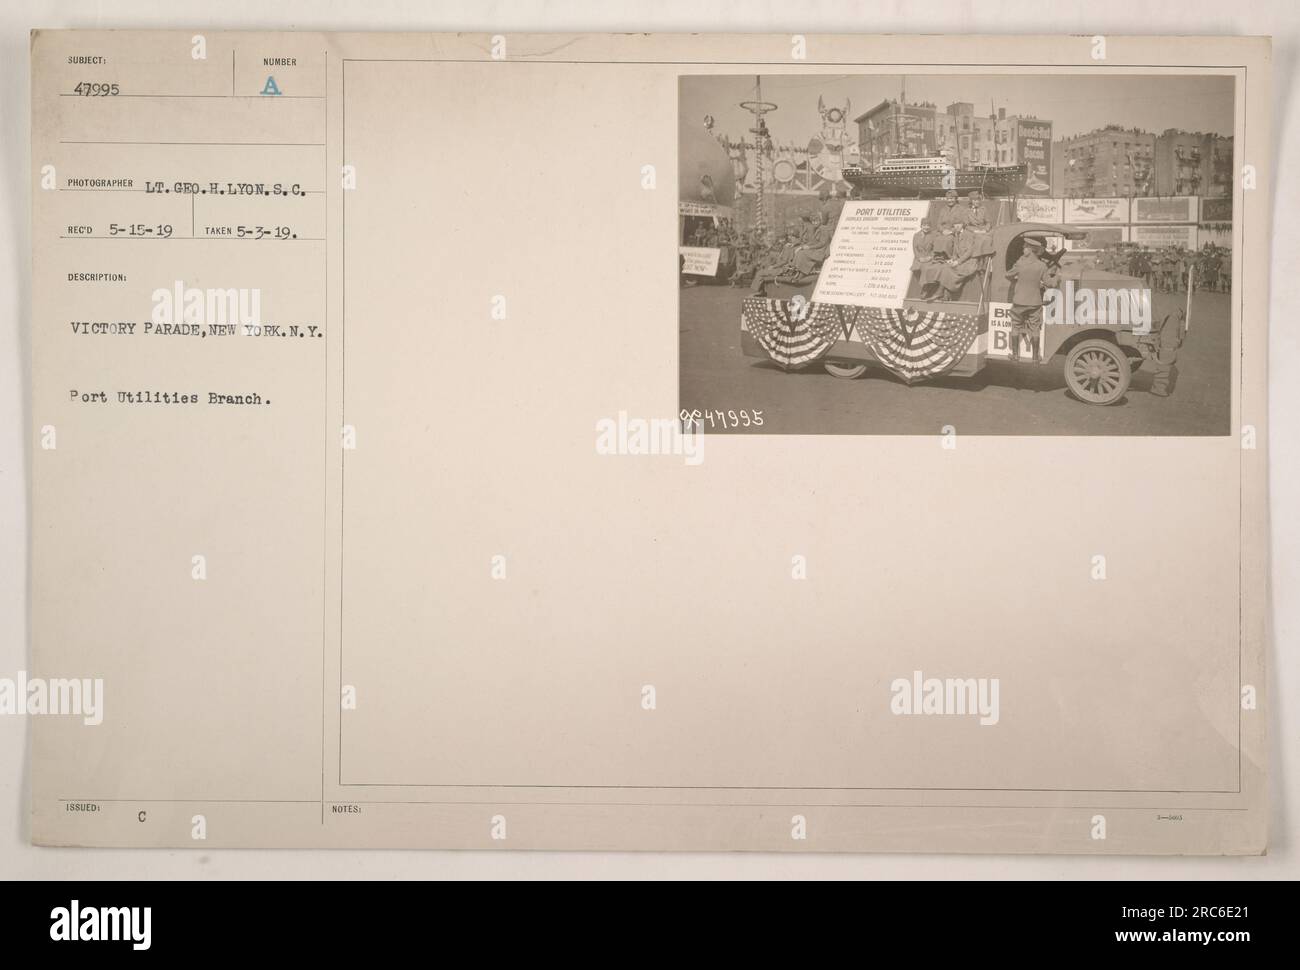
<point>795,335</point>
<point>916,344</point>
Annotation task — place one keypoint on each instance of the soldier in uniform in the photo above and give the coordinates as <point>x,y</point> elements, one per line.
<point>922,253</point>
<point>977,213</point>
<point>1207,272</point>
<point>831,206</point>
<point>1135,263</point>
<point>1145,269</point>
<point>949,213</point>
<point>1165,269</point>
<point>1165,377</point>
<point>1029,277</point>
<point>778,263</point>
<point>962,262</point>
<point>980,222</point>
<point>809,256</point>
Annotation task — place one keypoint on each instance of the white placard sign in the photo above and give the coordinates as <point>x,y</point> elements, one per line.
<point>999,343</point>
<point>699,260</point>
<point>870,259</point>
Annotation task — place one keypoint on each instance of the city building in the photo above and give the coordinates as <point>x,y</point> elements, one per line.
<point>893,128</point>
<point>965,137</point>
<point>958,132</point>
<point>1108,162</point>
<point>1193,163</point>
<point>1126,162</point>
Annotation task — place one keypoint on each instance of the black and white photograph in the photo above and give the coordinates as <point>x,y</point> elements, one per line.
<point>380,505</point>
<point>1011,254</point>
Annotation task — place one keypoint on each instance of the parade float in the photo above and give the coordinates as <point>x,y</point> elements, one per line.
<point>864,309</point>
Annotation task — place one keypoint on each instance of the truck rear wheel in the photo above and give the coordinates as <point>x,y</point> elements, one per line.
<point>1098,372</point>
<point>846,371</point>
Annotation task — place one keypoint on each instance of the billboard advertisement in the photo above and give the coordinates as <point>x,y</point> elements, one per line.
<point>1104,211</point>
<point>1174,209</point>
<point>1034,145</point>
<point>1038,210</point>
<point>1216,210</point>
<point>1160,237</point>
<point>1099,237</point>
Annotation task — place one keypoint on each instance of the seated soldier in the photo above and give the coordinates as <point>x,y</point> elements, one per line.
<point>962,262</point>
<point>922,249</point>
<point>780,262</point>
<point>979,222</point>
<point>832,206</point>
<point>949,213</point>
<point>808,257</point>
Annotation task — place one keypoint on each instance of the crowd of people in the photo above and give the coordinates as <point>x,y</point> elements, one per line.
<point>950,246</point>
<point>794,252</point>
<point>948,250</point>
<point>1171,269</point>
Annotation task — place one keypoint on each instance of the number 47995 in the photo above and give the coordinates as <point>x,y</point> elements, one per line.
<point>97,89</point>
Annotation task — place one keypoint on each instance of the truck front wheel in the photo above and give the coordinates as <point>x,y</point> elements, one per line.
<point>1098,372</point>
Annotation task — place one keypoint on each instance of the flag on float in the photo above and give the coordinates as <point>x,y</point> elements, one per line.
<point>916,344</point>
<point>798,333</point>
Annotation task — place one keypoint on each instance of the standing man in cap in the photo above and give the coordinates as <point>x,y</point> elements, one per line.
<point>1029,277</point>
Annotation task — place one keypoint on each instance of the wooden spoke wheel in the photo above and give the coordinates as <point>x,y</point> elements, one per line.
<point>1098,372</point>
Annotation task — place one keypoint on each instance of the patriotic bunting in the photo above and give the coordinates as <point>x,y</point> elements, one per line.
<point>916,344</point>
<point>796,334</point>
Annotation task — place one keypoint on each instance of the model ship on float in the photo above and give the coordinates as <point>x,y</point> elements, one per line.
<point>927,177</point>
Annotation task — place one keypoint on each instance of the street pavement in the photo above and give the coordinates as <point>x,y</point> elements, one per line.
<point>717,376</point>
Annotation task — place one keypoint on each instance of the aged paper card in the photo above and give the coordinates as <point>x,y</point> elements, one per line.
<point>830,443</point>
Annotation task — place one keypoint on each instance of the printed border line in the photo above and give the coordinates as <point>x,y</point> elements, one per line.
<point>1012,69</point>
<point>477,802</point>
<point>325,451</point>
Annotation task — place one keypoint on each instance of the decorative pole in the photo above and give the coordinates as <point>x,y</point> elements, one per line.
<point>758,108</point>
